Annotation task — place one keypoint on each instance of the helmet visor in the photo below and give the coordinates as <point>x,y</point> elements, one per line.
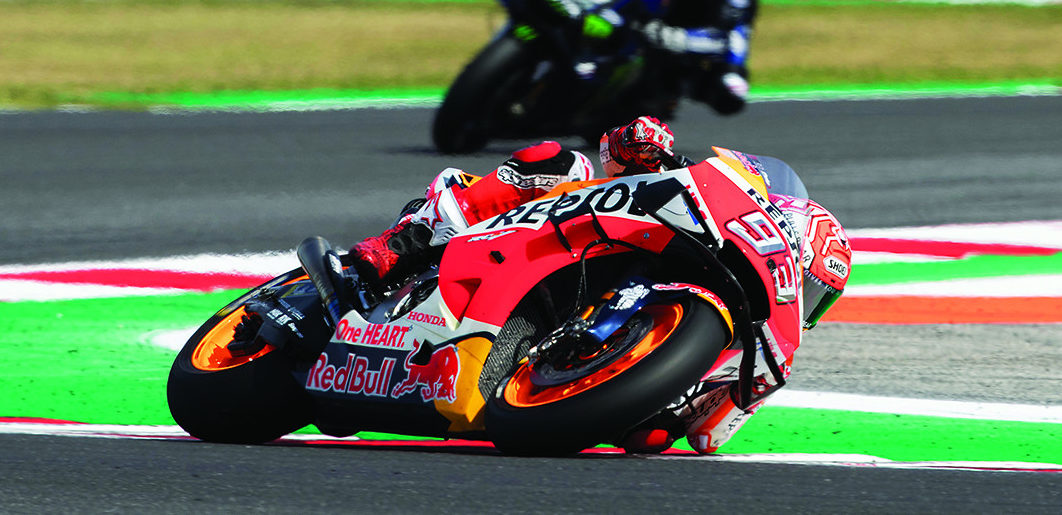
<point>818,298</point>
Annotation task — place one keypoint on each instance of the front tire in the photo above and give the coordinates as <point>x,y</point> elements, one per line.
<point>478,102</point>
<point>672,346</point>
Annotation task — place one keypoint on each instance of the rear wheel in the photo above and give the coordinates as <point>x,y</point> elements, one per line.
<point>590,395</point>
<point>243,396</point>
<point>483,100</point>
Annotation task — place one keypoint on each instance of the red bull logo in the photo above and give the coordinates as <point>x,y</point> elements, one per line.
<point>437,379</point>
<point>355,377</point>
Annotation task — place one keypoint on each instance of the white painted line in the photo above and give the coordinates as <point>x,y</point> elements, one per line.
<point>867,461</point>
<point>923,407</point>
<point>17,290</point>
<point>258,263</point>
<point>123,431</point>
<point>110,431</point>
<point>170,339</point>
<point>1046,233</point>
<point>1015,286</point>
<point>869,258</point>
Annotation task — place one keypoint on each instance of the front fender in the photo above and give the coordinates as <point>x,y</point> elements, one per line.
<point>639,292</point>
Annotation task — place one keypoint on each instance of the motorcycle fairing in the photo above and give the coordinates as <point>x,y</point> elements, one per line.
<point>748,168</point>
<point>764,237</point>
<point>529,246</point>
<point>730,197</point>
<point>436,390</point>
<point>488,269</point>
<point>639,292</point>
<point>455,397</point>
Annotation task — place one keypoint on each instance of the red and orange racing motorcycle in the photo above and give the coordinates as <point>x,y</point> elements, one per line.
<point>564,323</point>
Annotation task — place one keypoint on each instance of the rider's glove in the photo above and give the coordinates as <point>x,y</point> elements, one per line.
<point>639,145</point>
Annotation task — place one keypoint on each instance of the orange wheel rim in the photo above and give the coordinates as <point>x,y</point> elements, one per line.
<point>522,393</point>
<point>212,353</point>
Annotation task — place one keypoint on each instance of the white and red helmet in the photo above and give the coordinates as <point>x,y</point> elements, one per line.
<point>826,254</point>
<point>636,147</point>
<point>827,258</point>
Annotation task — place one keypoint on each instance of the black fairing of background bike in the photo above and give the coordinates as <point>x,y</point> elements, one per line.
<point>571,106</point>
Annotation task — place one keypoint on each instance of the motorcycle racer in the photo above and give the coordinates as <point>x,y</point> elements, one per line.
<point>707,41</point>
<point>707,414</point>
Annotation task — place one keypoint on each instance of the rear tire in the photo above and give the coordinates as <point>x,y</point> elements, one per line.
<point>220,398</point>
<point>603,402</point>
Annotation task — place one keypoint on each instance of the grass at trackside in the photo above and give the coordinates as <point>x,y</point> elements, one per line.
<point>90,361</point>
<point>67,51</point>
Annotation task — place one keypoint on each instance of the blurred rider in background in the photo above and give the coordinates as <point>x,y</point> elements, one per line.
<point>706,41</point>
<point>455,200</point>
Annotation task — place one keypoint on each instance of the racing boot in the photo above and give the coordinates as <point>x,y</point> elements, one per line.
<point>398,251</point>
<point>713,416</point>
<point>418,236</point>
<point>725,88</point>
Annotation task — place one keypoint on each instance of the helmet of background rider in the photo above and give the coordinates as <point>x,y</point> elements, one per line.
<point>827,259</point>
<point>636,147</point>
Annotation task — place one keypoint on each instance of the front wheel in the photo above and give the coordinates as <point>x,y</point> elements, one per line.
<point>562,406</point>
<point>482,101</point>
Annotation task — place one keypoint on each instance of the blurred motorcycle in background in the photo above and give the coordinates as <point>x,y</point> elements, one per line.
<point>544,75</point>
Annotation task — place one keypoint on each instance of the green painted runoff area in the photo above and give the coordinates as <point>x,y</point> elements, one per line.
<point>93,361</point>
<point>972,267</point>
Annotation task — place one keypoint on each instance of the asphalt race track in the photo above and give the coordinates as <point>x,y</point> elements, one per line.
<point>84,186</point>
<point>112,185</point>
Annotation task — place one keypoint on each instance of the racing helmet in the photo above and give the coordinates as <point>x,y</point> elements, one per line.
<point>827,260</point>
<point>636,147</point>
